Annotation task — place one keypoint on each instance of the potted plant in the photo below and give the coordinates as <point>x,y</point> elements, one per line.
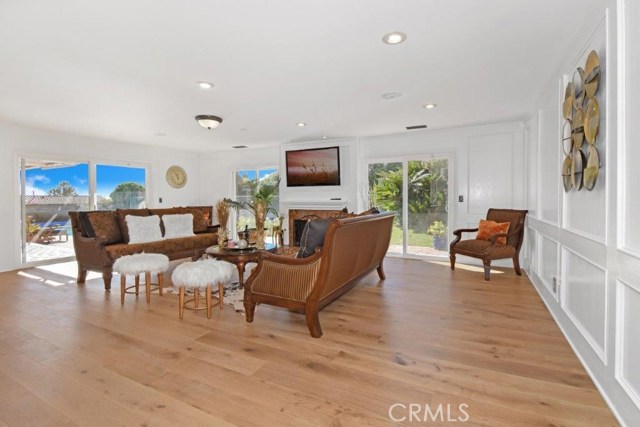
<point>262,195</point>
<point>438,231</point>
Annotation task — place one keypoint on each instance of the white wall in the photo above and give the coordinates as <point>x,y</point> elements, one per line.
<point>16,141</point>
<point>488,163</point>
<point>588,241</point>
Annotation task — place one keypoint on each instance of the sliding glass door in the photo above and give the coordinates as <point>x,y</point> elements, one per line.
<point>52,188</point>
<point>418,189</point>
<point>386,181</point>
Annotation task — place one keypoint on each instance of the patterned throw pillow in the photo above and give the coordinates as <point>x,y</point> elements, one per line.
<point>103,224</point>
<point>487,229</point>
<point>199,222</point>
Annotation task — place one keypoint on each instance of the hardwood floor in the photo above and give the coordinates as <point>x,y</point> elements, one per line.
<point>73,356</point>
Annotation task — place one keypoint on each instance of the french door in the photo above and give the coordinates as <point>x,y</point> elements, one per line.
<point>418,189</point>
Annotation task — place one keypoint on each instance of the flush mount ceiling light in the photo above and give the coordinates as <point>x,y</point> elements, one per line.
<point>301,124</point>
<point>395,37</point>
<point>209,122</point>
<point>205,85</point>
<point>429,106</point>
<point>391,95</point>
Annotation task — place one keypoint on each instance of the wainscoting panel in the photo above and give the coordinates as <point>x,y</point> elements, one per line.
<point>629,149</point>
<point>531,250</point>
<point>549,153</point>
<point>548,254</point>
<point>628,339</point>
<point>584,299</point>
<point>491,168</point>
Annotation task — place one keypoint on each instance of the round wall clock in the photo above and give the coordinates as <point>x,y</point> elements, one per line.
<point>176,177</point>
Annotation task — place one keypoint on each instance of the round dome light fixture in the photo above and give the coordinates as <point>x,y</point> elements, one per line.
<point>395,37</point>
<point>209,122</point>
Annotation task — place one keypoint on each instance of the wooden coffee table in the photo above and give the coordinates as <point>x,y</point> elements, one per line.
<point>239,257</point>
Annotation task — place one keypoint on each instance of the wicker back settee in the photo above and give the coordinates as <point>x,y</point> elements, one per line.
<point>101,237</point>
<point>352,248</point>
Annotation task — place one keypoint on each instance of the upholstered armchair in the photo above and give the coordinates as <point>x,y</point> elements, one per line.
<point>491,249</point>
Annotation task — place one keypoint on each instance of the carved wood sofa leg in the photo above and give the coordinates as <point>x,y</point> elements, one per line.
<point>381,272</point>
<point>313,322</point>
<point>82,275</point>
<point>516,265</point>
<point>106,278</point>
<point>487,269</point>
<point>250,309</point>
<point>452,260</point>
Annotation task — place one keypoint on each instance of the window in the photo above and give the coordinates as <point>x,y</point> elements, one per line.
<point>245,182</point>
<point>52,188</point>
<point>120,187</point>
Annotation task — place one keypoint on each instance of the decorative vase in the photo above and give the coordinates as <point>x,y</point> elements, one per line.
<point>440,243</point>
<point>261,217</point>
<point>222,237</point>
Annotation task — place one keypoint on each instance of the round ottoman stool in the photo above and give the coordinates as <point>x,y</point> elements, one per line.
<point>200,276</point>
<point>141,263</point>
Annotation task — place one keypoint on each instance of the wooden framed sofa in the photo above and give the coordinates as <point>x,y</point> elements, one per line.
<point>353,247</point>
<point>101,237</point>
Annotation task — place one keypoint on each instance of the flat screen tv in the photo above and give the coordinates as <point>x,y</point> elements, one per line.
<point>314,166</point>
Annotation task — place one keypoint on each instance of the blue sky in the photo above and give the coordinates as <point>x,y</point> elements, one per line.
<point>40,181</point>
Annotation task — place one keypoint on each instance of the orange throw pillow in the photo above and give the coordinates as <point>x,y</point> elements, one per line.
<point>487,229</point>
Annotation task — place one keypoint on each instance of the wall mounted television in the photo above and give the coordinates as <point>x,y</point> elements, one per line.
<point>313,166</point>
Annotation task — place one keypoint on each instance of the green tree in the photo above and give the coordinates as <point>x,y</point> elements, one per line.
<point>63,188</point>
<point>127,195</point>
<point>427,188</point>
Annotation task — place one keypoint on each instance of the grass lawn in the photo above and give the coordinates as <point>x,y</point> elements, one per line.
<point>415,239</point>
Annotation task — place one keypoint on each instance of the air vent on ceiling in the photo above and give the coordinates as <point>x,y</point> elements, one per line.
<point>416,127</point>
<point>239,146</point>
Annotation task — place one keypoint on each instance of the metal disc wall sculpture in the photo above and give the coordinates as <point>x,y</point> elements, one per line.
<point>581,113</point>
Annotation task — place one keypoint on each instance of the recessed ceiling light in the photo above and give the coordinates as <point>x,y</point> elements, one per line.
<point>429,106</point>
<point>301,124</point>
<point>324,136</point>
<point>205,85</point>
<point>395,37</point>
<point>391,95</point>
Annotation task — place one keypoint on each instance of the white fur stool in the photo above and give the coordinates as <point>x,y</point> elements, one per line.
<point>141,263</point>
<point>200,275</point>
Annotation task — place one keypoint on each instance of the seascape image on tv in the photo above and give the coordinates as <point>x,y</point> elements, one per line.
<point>319,166</point>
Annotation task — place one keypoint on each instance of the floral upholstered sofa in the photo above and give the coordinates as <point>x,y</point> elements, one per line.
<point>101,237</point>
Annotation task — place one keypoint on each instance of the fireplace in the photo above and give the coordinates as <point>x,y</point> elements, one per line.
<point>298,218</point>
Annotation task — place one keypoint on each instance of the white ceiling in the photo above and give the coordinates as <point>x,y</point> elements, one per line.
<point>126,70</point>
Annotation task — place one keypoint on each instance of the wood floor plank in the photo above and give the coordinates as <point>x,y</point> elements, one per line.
<point>73,355</point>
